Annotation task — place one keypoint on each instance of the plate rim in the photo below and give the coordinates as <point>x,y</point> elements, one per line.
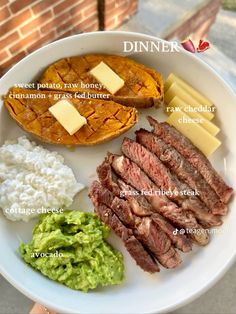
<point>196,293</point>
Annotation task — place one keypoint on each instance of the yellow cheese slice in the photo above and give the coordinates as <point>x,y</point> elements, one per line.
<point>172,78</point>
<point>202,139</point>
<point>107,77</point>
<point>176,90</point>
<point>67,115</point>
<point>176,103</point>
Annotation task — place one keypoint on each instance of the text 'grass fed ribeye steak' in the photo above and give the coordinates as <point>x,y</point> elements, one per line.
<point>133,175</point>
<point>162,177</point>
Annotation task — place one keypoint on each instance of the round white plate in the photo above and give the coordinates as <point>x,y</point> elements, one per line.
<point>140,292</point>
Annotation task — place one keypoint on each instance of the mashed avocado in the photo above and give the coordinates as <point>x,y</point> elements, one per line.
<point>70,248</point>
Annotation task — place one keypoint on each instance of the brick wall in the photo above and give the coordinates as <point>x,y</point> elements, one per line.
<point>115,12</point>
<point>26,25</point>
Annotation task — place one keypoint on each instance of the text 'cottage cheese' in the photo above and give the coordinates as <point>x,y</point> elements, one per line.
<point>33,180</point>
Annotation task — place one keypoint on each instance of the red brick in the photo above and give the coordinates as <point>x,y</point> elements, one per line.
<point>15,22</point>
<point>92,28</point>
<point>90,10</point>
<point>4,13</point>
<point>66,34</point>
<point>55,22</point>
<point>65,27</point>
<point>63,6</point>
<point>63,18</point>
<point>3,55</point>
<point>25,42</point>
<point>76,19</point>
<point>43,40</point>
<point>119,9</point>
<point>17,5</point>
<point>3,2</point>
<point>134,5</point>
<point>81,7</point>
<point>43,5</point>
<point>9,40</point>
<point>109,5</point>
<point>110,24</point>
<point>4,67</point>
<point>37,22</point>
<point>82,25</point>
<point>126,14</point>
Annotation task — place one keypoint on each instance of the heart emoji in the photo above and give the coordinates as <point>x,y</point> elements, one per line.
<point>188,45</point>
<point>203,45</point>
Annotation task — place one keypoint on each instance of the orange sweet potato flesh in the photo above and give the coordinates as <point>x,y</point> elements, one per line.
<point>105,119</point>
<point>143,86</point>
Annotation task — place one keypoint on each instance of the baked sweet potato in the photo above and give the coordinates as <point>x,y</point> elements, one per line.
<point>143,86</point>
<point>105,119</point>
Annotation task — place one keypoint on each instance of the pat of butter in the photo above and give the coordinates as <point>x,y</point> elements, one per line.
<point>67,115</point>
<point>106,76</point>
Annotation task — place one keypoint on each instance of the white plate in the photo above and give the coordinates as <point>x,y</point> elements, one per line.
<point>140,292</point>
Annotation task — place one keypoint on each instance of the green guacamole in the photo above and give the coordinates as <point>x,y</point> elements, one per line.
<point>70,248</point>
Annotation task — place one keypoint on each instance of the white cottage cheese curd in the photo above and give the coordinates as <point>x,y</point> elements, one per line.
<point>33,180</point>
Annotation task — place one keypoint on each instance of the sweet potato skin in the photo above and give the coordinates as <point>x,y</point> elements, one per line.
<point>143,86</point>
<point>105,119</point>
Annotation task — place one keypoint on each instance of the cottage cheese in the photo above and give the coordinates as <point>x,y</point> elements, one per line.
<point>33,180</point>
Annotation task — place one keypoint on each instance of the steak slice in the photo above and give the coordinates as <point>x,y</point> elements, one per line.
<point>194,156</point>
<point>105,176</point>
<point>144,229</point>
<point>193,203</point>
<point>183,169</point>
<point>148,232</point>
<point>120,207</point>
<point>179,240</point>
<point>142,258</point>
<point>141,207</point>
<point>138,203</point>
<point>162,177</point>
<point>134,176</point>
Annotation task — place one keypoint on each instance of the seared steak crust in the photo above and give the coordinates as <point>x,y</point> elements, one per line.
<point>154,188</point>
<point>162,177</point>
<point>105,176</point>
<point>194,156</point>
<point>183,169</point>
<point>144,228</point>
<point>141,207</point>
<point>138,203</point>
<point>133,246</point>
<point>179,240</point>
<point>134,176</point>
<point>157,242</point>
